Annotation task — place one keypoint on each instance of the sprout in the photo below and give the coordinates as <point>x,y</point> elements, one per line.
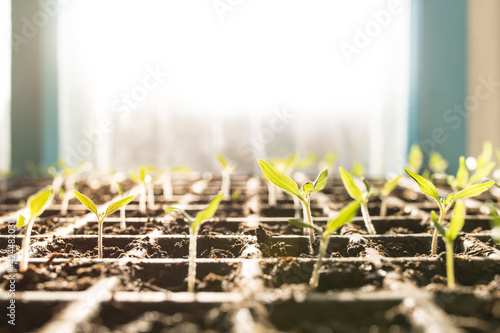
<point>345,216</point>
<point>283,165</point>
<point>290,186</point>
<point>427,188</point>
<point>146,186</point>
<point>194,226</point>
<point>66,176</point>
<point>166,180</point>
<point>357,170</point>
<point>449,235</point>
<point>306,162</point>
<point>328,162</point>
<point>389,186</point>
<point>100,217</point>
<point>362,196</point>
<point>415,158</point>
<point>123,223</point>
<point>495,225</point>
<point>462,179</point>
<point>37,203</point>
<point>226,170</point>
<point>438,165</point>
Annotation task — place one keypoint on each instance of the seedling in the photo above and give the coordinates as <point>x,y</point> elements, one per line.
<point>345,216</point>
<point>227,170</point>
<point>283,165</point>
<point>358,170</point>
<point>123,224</point>
<point>462,179</point>
<point>357,194</point>
<point>495,225</point>
<point>146,190</point>
<point>64,181</point>
<point>100,217</point>
<point>37,203</point>
<point>415,158</point>
<point>428,188</point>
<point>305,163</point>
<point>284,182</point>
<point>385,192</point>
<point>166,180</point>
<point>449,236</point>
<point>194,226</point>
<point>437,165</point>
<point>328,162</point>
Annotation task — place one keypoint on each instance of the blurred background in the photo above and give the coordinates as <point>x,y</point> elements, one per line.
<point>123,83</point>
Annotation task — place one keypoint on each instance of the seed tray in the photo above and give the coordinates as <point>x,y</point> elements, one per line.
<point>252,267</point>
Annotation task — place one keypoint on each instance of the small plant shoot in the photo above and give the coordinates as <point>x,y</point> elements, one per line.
<point>123,223</point>
<point>415,158</point>
<point>145,181</point>
<point>227,170</point>
<point>449,235</point>
<point>166,180</point>
<point>37,203</point>
<point>384,193</point>
<point>428,188</point>
<point>286,183</point>
<point>285,166</point>
<point>357,194</point>
<point>345,216</point>
<point>495,224</point>
<point>194,226</point>
<point>102,216</point>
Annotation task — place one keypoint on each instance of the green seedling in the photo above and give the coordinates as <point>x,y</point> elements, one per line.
<point>449,235</point>
<point>415,158</point>
<point>358,170</point>
<point>146,186</point>
<point>283,165</point>
<point>345,216</point>
<point>102,216</point>
<point>37,203</point>
<point>227,170</point>
<point>64,181</point>
<point>428,188</point>
<point>166,180</point>
<point>284,182</point>
<point>194,226</point>
<point>305,163</point>
<point>328,162</point>
<point>495,224</point>
<point>437,166</point>
<point>384,193</point>
<point>357,194</point>
<point>235,197</point>
<point>123,223</point>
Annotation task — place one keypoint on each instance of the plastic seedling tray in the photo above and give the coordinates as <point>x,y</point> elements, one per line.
<point>253,267</point>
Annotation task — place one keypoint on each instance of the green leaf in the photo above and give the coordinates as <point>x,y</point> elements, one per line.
<point>345,216</point>
<point>349,184</point>
<point>279,179</point>
<point>307,188</point>
<point>425,185</point>
<point>118,204</point>
<point>320,182</point>
<point>37,202</point>
<point>142,174</point>
<point>181,168</point>
<point>186,215</point>
<point>330,159</point>
<point>485,156</point>
<point>473,190</point>
<point>495,224</point>
<point>457,221</point>
<point>301,224</point>
<point>462,174</point>
<point>481,173</point>
<point>358,170</point>
<point>307,162</point>
<point>86,202</point>
<point>449,199</point>
<point>120,191</point>
<point>135,178</point>
<point>21,221</point>
<point>222,161</point>
<point>209,212</point>
<point>415,158</point>
<point>390,186</point>
<point>439,228</point>
<point>437,163</point>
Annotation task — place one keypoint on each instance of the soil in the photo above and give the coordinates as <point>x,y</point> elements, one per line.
<point>253,267</point>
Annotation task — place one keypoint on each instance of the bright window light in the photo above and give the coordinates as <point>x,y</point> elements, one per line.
<point>340,67</point>
<point>5,61</point>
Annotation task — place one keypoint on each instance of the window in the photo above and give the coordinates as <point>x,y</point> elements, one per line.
<point>176,83</point>
<point>5,56</point>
